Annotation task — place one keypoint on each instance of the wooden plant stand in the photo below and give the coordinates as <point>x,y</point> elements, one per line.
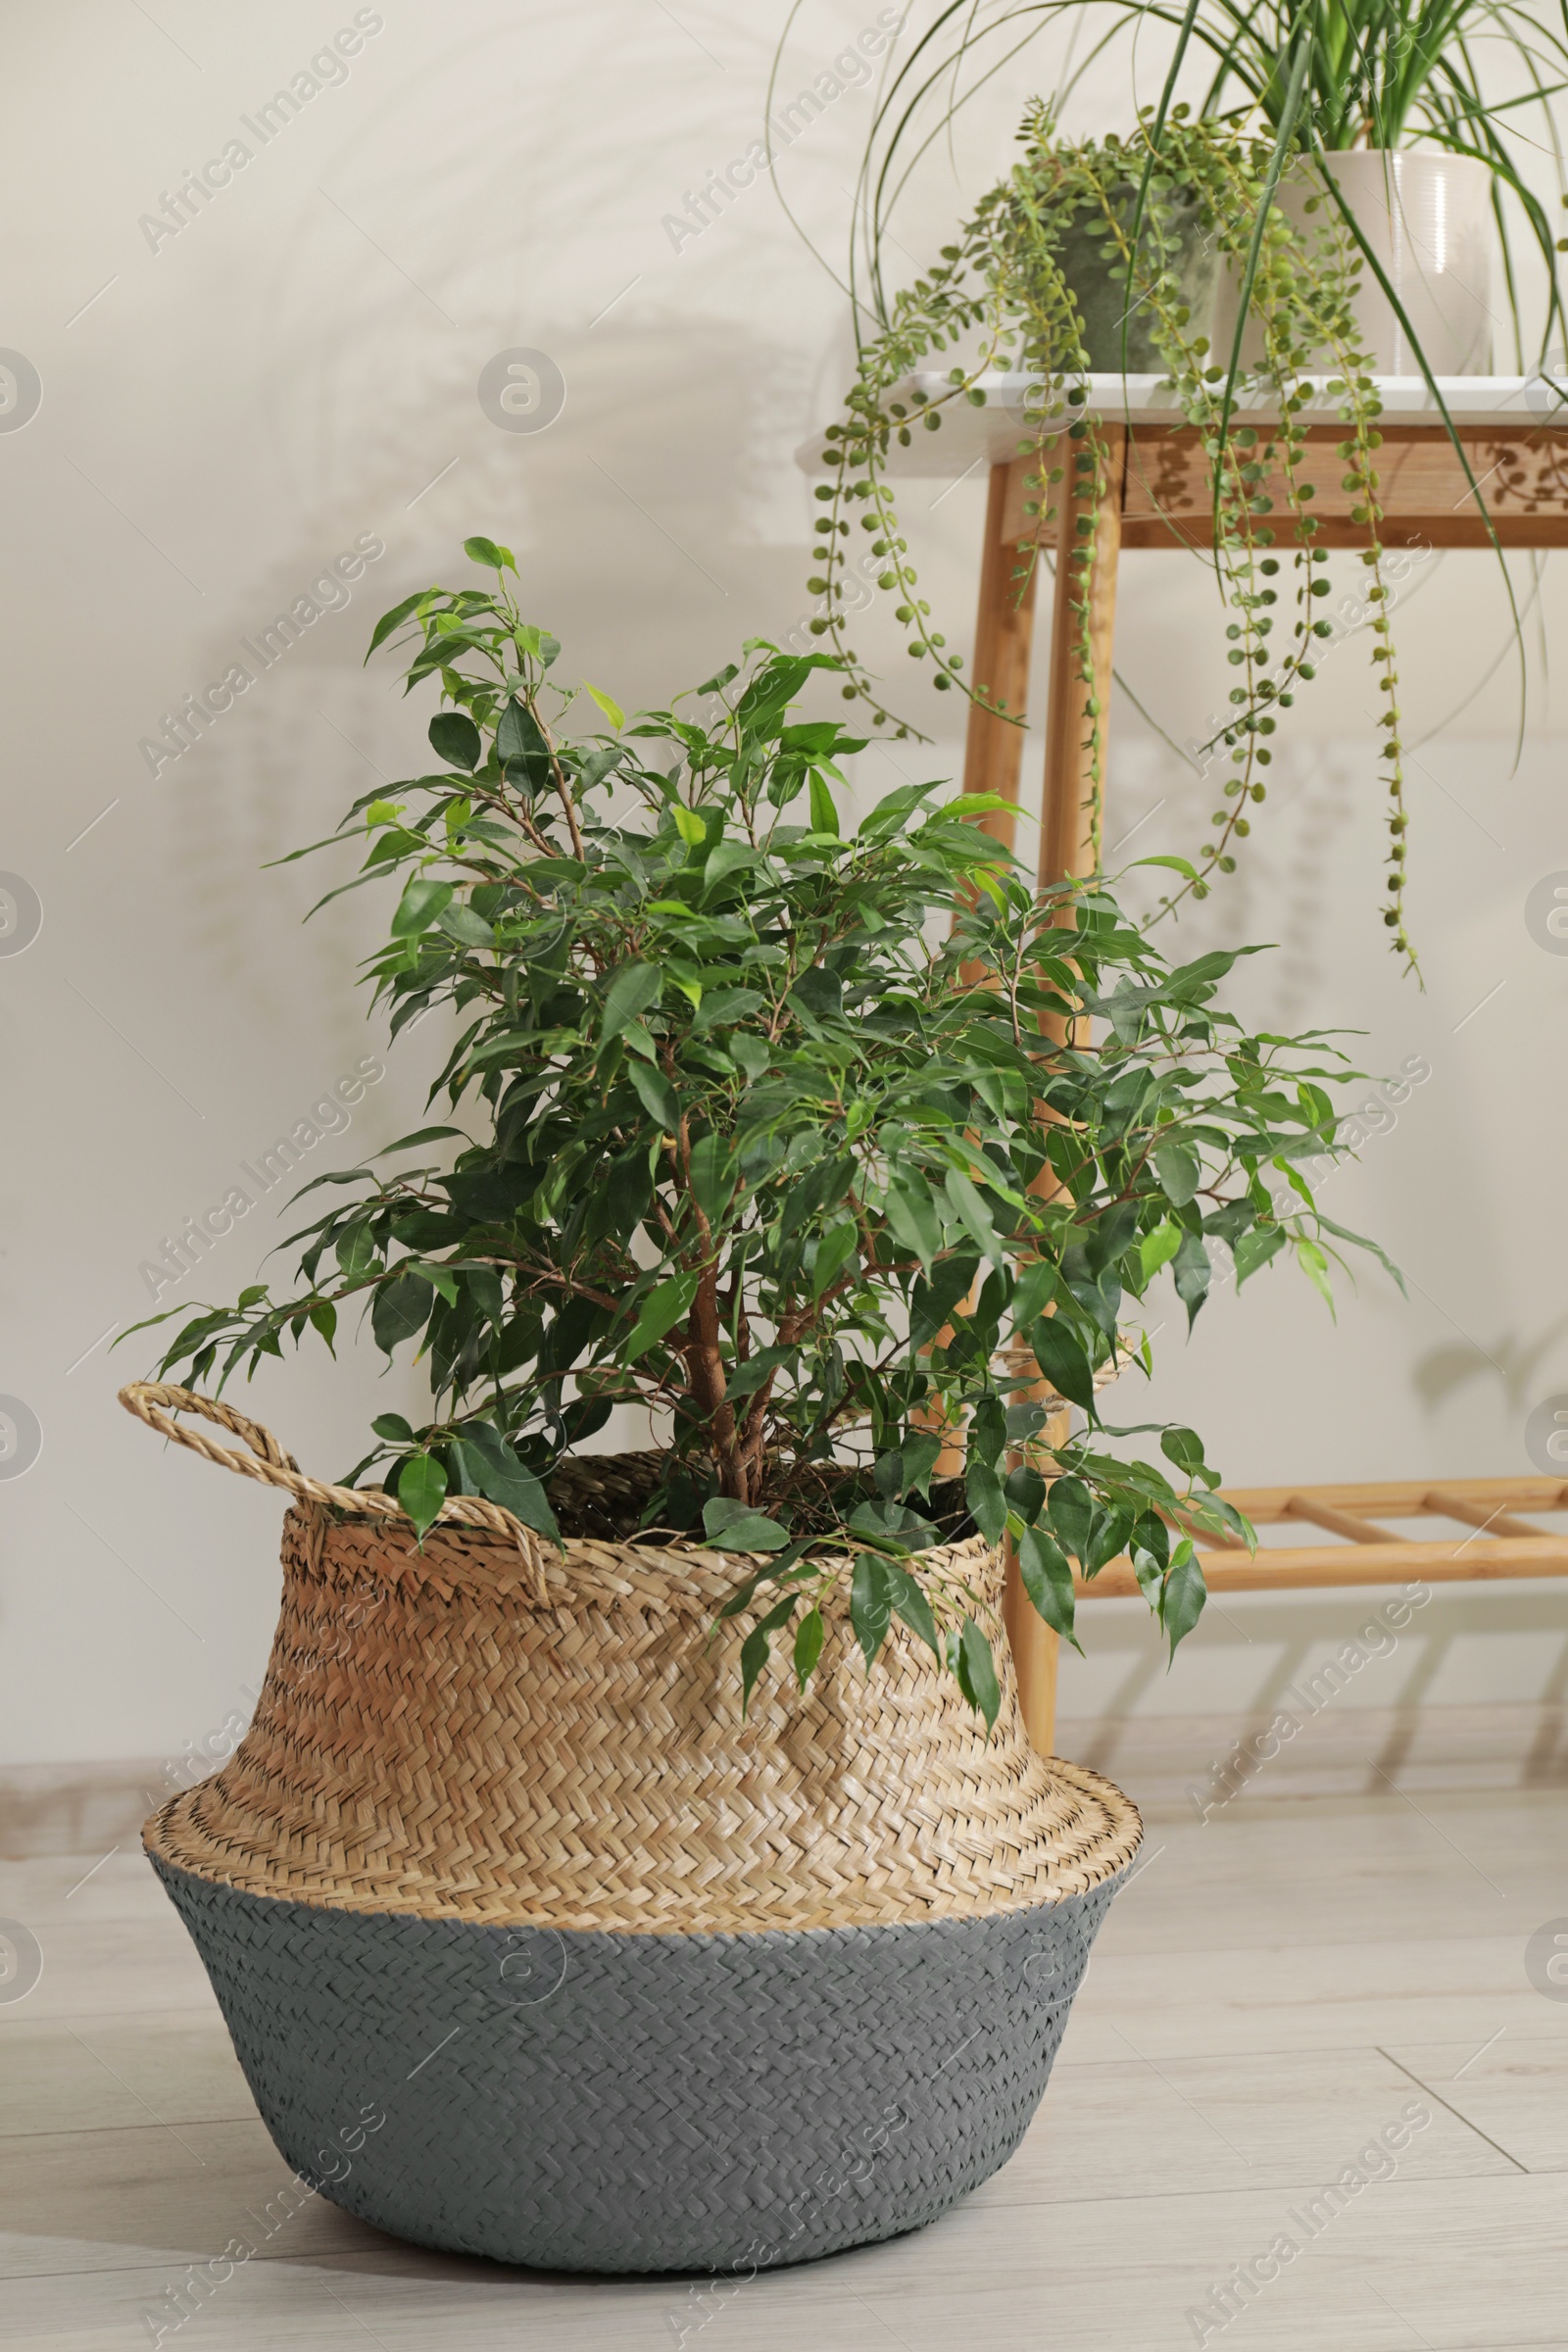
<point>1515,436</point>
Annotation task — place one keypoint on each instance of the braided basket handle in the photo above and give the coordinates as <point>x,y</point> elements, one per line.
<point>157,1402</point>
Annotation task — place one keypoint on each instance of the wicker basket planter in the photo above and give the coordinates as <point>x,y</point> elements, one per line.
<point>530,1946</point>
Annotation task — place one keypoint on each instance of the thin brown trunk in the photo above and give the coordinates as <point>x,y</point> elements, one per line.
<point>705,1365</point>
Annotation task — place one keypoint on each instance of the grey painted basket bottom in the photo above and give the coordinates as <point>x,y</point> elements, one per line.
<point>592,2101</point>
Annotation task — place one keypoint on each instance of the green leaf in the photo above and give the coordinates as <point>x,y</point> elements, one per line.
<point>421,904</point>
<point>1315,1266</point>
<point>1254,1250</point>
<point>1151,1535</point>
<point>988,1428</point>
<point>444,1280</point>
<point>421,1135</point>
<point>1358,1241</point>
<point>870,1605</point>
<point>753,1658</point>
<point>400,1309</point>
<point>1025,1490</point>
<point>394,619</point>
<point>485,551</point>
<point>832,1254</point>
<point>820,992</point>
<point>749,1377</point>
<point>1023,1422</point>
<point>1046,1576</point>
<point>519,736</point>
<point>1061,1358</point>
<point>1184,1448</point>
<point>736,1527</point>
<point>713,1175</point>
<point>421,1490</point>
<point>973,803</point>
<point>911,1604</point>
<point>1037,1287</point>
<point>1184,1594</point>
<point>656,1095</point>
<point>454,738</point>
<point>393,1428</point>
<point>753,1649</point>
<point>612,710</point>
<point>1179,1173</point>
<point>502,1478</point>
<point>632,991</point>
<point>884,1523</point>
<point>689,825</point>
<point>751,1053</point>
<point>892,810</point>
<point>934,1299</point>
<point>1157,1249</point>
<point>977,1673</point>
<point>470,930</point>
<point>919,1456</point>
<point>988,1504</point>
<point>662,1308</point>
<point>912,1215</point>
<point>969,1207</point>
<point>538,642</point>
<point>356,1252</point>
<point>808,1638</point>
<point>775,685</point>
<point>1191,1273</point>
<point>740,1599</point>
<point>1083,1525</point>
<point>727,859</point>
<point>1178,865</point>
<point>825,815</point>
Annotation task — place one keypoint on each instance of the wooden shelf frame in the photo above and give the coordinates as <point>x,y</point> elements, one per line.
<point>1156,496</point>
<point>1499,1544</point>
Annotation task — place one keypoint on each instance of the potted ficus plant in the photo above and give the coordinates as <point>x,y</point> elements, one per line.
<point>638,1840</point>
<point>1321,213</point>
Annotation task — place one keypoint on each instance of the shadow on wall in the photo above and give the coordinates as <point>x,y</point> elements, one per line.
<point>1512,1362</point>
<point>648,583</point>
<point>1331,1664</point>
<point>450,229</point>
<point>1285,887</point>
<point>1204,1769</point>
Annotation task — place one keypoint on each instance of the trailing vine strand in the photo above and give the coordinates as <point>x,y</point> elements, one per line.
<point>1011,292</point>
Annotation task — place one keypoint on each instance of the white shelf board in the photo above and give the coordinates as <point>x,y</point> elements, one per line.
<point>969,437</point>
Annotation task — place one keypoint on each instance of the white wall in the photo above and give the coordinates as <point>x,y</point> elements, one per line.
<point>297,370</point>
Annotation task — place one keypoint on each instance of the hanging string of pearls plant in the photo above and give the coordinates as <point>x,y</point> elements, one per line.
<point>1039,251</point>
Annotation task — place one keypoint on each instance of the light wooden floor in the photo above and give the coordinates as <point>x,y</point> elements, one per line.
<point>1345,1937</point>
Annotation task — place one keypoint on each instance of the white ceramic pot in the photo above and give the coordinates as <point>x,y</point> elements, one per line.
<point>1428,218</point>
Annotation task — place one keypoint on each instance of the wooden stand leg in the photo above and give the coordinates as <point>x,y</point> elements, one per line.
<point>994,762</point>
<point>1075,743</point>
<point>1072,786</point>
<point>1035,1647</point>
<point>1003,635</point>
<point>993,751</point>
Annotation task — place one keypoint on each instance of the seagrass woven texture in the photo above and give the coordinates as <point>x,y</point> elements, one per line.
<point>611,2102</point>
<point>434,1739</point>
